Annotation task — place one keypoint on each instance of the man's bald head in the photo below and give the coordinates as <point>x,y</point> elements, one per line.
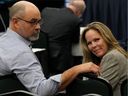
<point>20,7</point>
<point>77,6</point>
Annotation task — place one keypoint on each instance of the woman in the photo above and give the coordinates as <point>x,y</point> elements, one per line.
<point>100,47</point>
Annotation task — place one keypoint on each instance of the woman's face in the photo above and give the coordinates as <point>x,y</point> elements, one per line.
<point>96,43</point>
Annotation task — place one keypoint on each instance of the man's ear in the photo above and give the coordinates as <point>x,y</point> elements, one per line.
<point>15,22</point>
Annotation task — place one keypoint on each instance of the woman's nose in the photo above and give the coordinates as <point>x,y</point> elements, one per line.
<point>93,44</point>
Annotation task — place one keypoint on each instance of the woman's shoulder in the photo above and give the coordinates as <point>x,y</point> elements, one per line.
<point>115,58</point>
<point>114,54</point>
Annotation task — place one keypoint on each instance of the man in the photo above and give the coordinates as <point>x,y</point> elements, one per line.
<point>62,27</point>
<point>16,56</point>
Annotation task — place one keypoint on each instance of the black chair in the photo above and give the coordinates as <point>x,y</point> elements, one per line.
<point>18,93</point>
<point>10,83</point>
<point>124,88</point>
<point>92,86</point>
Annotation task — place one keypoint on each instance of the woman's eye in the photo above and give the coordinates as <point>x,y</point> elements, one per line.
<point>97,39</point>
<point>88,43</point>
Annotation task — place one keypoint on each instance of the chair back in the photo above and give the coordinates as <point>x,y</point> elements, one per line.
<point>10,83</point>
<point>18,93</point>
<point>124,88</point>
<point>91,86</point>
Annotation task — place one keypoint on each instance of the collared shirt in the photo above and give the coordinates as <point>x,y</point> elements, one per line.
<point>16,57</point>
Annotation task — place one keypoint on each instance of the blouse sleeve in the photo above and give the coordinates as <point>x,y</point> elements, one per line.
<point>109,69</point>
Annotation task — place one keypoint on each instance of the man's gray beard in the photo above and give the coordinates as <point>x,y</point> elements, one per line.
<point>34,38</point>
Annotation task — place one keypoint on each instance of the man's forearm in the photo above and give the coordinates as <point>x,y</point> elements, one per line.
<point>68,76</point>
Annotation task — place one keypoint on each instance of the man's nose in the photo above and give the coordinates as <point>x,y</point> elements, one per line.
<point>38,26</point>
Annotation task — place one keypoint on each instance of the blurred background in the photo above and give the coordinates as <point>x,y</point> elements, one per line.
<point>114,13</point>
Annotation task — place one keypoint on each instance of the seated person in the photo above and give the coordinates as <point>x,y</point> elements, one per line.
<point>16,56</point>
<point>100,47</point>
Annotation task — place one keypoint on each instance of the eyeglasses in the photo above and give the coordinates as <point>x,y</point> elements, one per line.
<point>32,22</point>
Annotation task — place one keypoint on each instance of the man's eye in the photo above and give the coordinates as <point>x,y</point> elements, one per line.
<point>33,21</point>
